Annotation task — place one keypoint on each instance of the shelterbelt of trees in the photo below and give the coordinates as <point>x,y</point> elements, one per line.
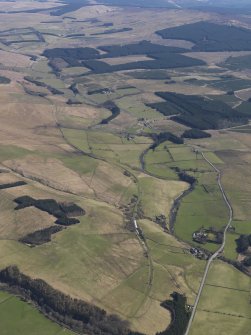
<point>81,316</point>
<point>74,313</point>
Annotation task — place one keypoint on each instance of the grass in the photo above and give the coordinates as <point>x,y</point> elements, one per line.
<point>97,246</point>
<point>19,317</point>
<point>157,157</point>
<point>107,181</point>
<point>11,152</point>
<point>119,93</point>
<point>104,138</point>
<point>236,174</point>
<point>109,146</point>
<point>194,215</point>
<point>204,207</point>
<point>163,190</point>
<point>89,261</point>
<point>230,247</point>
<point>128,154</point>
<point>170,263</point>
<point>99,261</point>
<point>225,301</point>
<point>78,138</point>
<point>216,323</point>
<point>175,269</point>
<point>213,158</point>
<point>161,171</point>
<point>219,143</point>
<point>182,153</point>
<point>82,165</point>
<point>75,71</point>
<point>242,227</point>
<point>137,108</point>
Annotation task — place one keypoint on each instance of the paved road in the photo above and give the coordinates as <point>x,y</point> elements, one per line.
<point>216,254</point>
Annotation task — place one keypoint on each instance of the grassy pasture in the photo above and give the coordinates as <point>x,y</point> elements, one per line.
<point>162,161</point>
<point>17,224</point>
<point>182,153</point>
<point>204,207</point>
<point>11,151</point>
<point>104,264</point>
<point>160,170</point>
<point>78,138</point>
<point>224,306</point>
<point>220,141</point>
<point>214,323</point>
<point>173,270</point>
<point>158,156</point>
<point>106,181</point>
<point>74,71</point>
<point>135,106</point>
<point>109,146</point>
<point>192,216</point>
<point>99,239</point>
<point>236,181</point>
<point>163,190</point>
<point>80,117</point>
<point>19,317</point>
<point>230,248</point>
<point>128,154</point>
<point>174,267</point>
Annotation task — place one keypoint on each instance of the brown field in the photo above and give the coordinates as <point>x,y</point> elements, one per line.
<point>50,172</point>
<point>21,121</point>
<point>12,59</point>
<point>126,59</point>
<point>18,5</point>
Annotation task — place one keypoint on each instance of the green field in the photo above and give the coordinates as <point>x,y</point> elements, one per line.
<point>224,305</point>
<point>163,190</point>
<point>204,207</point>
<point>19,317</point>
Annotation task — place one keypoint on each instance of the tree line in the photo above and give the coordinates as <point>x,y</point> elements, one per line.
<point>84,317</point>
<point>76,314</point>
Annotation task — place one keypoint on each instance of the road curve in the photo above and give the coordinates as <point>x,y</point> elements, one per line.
<point>216,254</point>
